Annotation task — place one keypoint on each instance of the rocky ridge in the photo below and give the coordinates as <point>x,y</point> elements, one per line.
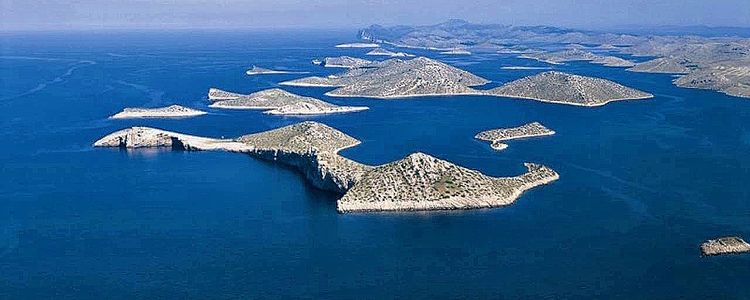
<point>564,88</point>
<point>417,182</point>
<point>280,102</point>
<point>395,78</point>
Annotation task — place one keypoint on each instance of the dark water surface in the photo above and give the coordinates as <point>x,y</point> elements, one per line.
<point>642,184</point>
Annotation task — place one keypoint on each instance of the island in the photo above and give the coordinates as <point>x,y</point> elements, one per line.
<point>358,45</point>
<point>172,111</point>
<point>730,80</point>
<point>523,68</point>
<point>416,182</point>
<point>724,245</point>
<point>457,51</point>
<point>713,63</point>
<point>215,94</point>
<point>564,88</point>
<point>280,102</point>
<point>386,52</point>
<point>576,54</point>
<point>663,65</point>
<point>613,61</point>
<point>345,62</point>
<point>497,136</point>
<point>395,78</point>
<point>560,57</point>
<point>423,182</point>
<point>263,71</point>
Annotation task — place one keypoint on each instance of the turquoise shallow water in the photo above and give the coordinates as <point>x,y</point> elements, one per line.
<point>642,183</point>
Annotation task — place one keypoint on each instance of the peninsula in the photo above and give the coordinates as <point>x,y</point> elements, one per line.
<point>417,182</point>
<point>172,111</point>
<point>724,245</point>
<point>345,62</point>
<point>563,88</point>
<point>280,102</point>
<point>310,147</point>
<point>395,78</point>
<point>497,136</point>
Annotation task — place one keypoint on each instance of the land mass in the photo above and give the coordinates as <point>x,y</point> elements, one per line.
<point>263,71</point>
<point>456,52</point>
<point>724,245</point>
<point>577,54</point>
<point>417,182</point>
<point>714,63</point>
<point>563,88</point>
<point>345,62</point>
<point>280,102</point>
<point>358,45</point>
<point>172,111</point>
<point>395,78</point>
<point>497,136</point>
<point>423,182</point>
<point>386,52</point>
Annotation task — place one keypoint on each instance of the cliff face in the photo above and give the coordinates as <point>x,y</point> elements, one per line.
<point>417,182</point>
<point>309,147</point>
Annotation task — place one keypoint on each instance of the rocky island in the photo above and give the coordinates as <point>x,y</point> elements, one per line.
<point>263,71</point>
<point>423,182</point>
<point>718,62</point>
<point>395,78</point>
<point>215,94</point>
<point>281,102</point>
<point>358,45</point>
<point>724,245</point>
<point>417,182</point>
<point>497,136</point>
<point>576,54</point>
<point>172,111</point>
<point>345,62</point>
<point>386,52</point>
<point>663,65</point>
<point>456,52</point>
<point>731,80</point>
<point>563,88</point>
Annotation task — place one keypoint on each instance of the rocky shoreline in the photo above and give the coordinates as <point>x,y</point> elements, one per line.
<point>172,111</point>
<point>496,136</point>
<point>417,182</point>
<point>724,245</point>
<point>564,88</point>
<point>279,102</point>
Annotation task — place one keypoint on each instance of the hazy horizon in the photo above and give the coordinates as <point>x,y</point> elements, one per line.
<point>341,14</point>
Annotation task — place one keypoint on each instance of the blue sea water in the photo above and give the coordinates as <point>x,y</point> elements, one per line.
<point>642,184</point>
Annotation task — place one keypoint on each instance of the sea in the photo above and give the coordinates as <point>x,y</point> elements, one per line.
<point>642,183</point>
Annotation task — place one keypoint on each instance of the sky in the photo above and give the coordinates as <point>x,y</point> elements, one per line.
<point>330,14</point>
